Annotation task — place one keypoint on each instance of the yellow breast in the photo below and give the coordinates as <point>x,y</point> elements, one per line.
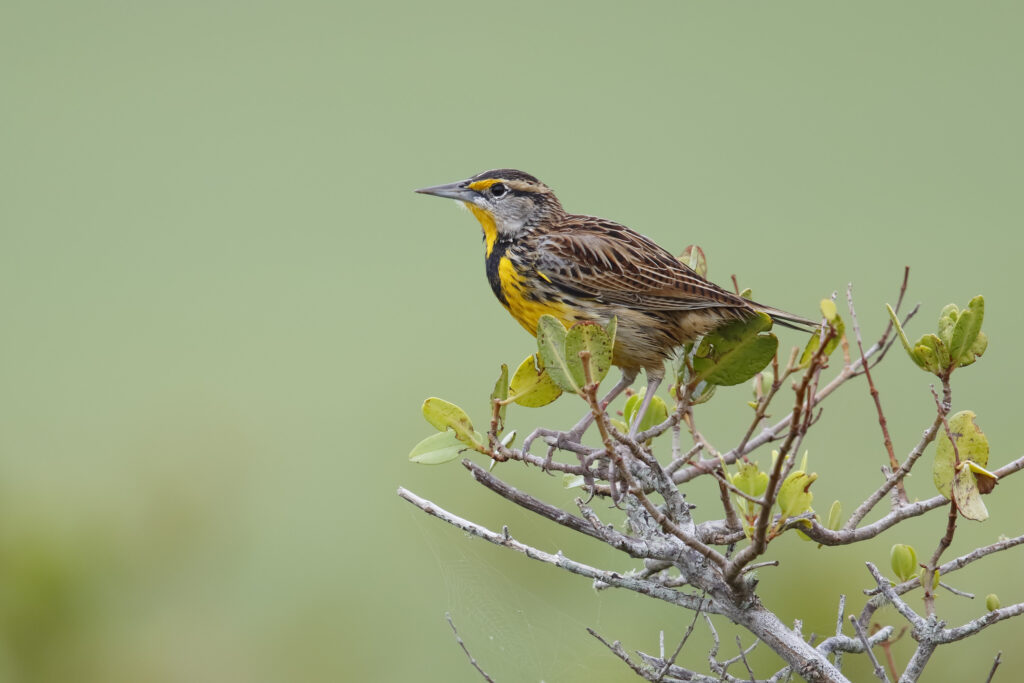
<point>524,309</point>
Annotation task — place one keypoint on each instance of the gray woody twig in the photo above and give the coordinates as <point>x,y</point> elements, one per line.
<point>458,639</point>
<point>642,586</point>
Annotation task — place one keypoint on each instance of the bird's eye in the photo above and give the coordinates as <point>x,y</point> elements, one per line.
<point>498,190</point>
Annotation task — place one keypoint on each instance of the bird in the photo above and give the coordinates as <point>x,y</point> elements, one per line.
<point>540,259</point>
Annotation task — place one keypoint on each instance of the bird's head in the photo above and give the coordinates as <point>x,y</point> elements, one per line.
<point>505,201</point>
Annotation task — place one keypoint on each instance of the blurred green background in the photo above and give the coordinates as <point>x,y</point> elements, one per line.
<point>223,305</point>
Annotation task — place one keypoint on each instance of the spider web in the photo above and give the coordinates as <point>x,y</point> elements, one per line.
<point>513,632</point>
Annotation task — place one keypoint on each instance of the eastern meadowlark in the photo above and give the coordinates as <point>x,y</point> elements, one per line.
<point>540,259</point>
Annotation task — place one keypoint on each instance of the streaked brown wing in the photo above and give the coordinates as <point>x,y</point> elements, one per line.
<point>609,262</point>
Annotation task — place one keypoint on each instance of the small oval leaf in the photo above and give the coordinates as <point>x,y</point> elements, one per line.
<point>903,559</point>
<point>966,330</point>
<point>571,481</point>
<point>444,415</point>
<point>794,495</point>
<point>971,444</point>
<point>500,393</point>
<point>531,386</point>
<point>592,340</point>
<point>437,449</point>
<point>828,309</point>
<point>967,496</point>
<point>835,515</point>
<point>551,335</point>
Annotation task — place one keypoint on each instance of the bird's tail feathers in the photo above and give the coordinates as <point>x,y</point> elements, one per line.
<point>790,320</point>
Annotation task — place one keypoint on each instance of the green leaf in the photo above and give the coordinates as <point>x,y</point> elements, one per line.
<point>978,349</point>
<point>815,341</point>
<point>736,352</point>
<point>966,330</point>
<point>967,496</point>
<point>794,496</point>
<point>589,338</point>
<point>444,415</point>
<point>693,256</point>
<point>437,449</point>
<point>531,385</point>
<point>551,335</point>
<point>947,321</point>
<point>903,338</point>
<point>500,393</point>
<point>926,357</point>
<point>753,482</point>
<point>971,444</point>
<point>903,559</point>
<point>657,411</point>
<point>835,515</point>
<point>571,481</point>
<point>828,309</point>
<point>750,479</point>
<point>939,351</point>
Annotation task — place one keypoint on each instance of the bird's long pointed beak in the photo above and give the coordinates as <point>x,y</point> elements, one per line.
<point>451,191</point>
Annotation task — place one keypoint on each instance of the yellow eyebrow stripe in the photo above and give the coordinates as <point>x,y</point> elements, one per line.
<point>484,184</point>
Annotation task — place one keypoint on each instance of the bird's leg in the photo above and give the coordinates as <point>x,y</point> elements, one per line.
<point>652,386</point>
<point>576,433</point>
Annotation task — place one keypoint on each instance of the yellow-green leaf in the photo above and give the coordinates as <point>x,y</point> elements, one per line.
<point>966,330</point>
<point>444,415</point>
<point>794,495</point>
<point>752,481</point>
<point>903,559</point>
<point>967,496</point>
<point>947,321</point>
<point>977,349</point>
<point>571,481</point>
<point>657,411</point>
<point>531,386</point>
<point>815,341</point>
<point>971,444</point>
<point>835,514</point>
<point>551,347</point>
<point>500,393</point>
<point>590,339</point>
<point>939,351</point>
<point>437,449</point>
<point>828,309</point>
